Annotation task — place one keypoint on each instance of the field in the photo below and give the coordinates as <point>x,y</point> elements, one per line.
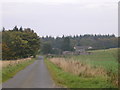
<point>101,68</point>
<point>10,68</point>
<point>107,59</point>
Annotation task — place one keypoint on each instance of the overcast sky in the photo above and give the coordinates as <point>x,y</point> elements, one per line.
<point>58,17</point>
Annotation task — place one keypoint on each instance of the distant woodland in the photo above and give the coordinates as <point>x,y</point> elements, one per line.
<point>21,43</point>
<point>59,44</point>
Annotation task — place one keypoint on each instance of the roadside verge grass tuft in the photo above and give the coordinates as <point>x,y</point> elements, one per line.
<point>9,71</point>
<point>69,80</point>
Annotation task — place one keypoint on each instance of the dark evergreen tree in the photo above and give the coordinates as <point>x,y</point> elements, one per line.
<point>15,28</point>
<point>3,30</point>
<point>21,29</point>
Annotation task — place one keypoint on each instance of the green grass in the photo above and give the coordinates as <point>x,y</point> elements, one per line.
<point>106,59</point>
<point>10,71</point>
<point>69,80</point>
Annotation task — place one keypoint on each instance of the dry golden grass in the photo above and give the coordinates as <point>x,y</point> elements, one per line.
<point>12,62</point>
<point>77,67</point>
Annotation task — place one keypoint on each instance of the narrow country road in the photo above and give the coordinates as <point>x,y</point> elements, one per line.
<point>35,75</point>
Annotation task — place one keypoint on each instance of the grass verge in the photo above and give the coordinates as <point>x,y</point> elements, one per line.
<point>69,80</point>
<point>9,71</point>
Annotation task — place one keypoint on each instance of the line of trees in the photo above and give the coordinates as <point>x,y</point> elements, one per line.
<point>59,44</point>
<point>19,43</point>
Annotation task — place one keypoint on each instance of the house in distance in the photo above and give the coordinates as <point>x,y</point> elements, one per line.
<point>79,50</point>
<point>82,50</point>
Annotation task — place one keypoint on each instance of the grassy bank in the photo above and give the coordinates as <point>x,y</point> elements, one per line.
<point>107,59</point>
<point>69,80</point>
<point>98,70</point>
<point>9,71</point>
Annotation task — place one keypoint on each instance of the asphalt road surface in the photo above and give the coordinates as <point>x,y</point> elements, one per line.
<point>35,75</point>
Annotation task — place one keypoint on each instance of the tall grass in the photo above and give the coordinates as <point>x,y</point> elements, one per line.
<point>107,59</point>
<point>6,63</point>
<point>66,79</point>
<point>78,68</point>
<point>13,67</point>
<point>101,63</point>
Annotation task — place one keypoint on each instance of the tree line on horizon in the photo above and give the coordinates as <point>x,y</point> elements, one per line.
<point>67,43</point>
<point>19,43</point>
